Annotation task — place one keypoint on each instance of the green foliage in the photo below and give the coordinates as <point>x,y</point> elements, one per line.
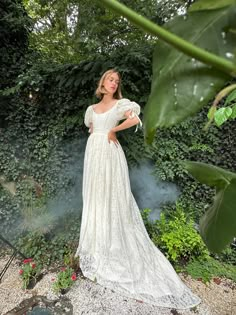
<point>71,261</point>
<point>225,157</point>
<point>151,227</point>
<point>65,279</point>
<point>210,5</point>
<point>228,255</point>
<point>217,226</point>
<point>14,25</point>
<point>223,114</point>
<point>173,111</point>
<point>44,118</point>
<point>29,271</point>
<point>185,141</point>
<point>34,245</point>
<point>168,9</point>
<point>60,97</point>
<point>180,90</point>
<point>53,247</point>
<point>59,110</point>
<point>179,238</point>
<point>44,134</point>
<point>71,31</point>
<point>176,236</point>
<point>231,97</point>
<point>210,268</point>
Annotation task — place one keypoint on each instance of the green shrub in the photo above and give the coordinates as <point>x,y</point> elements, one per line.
<point>209,268</point>
<point>51,248</point>
<point>228,255</point>
<point>176,237</point>
<point>65,279</point>
<point>151,226</point>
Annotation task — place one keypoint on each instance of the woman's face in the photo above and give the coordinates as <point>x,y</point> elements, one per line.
<point>111,83</point>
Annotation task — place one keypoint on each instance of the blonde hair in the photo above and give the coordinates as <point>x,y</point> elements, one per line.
<point>100,91</point>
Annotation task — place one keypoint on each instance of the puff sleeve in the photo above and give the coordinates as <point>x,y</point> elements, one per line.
<point>88,116</point>
<point>125,105</point>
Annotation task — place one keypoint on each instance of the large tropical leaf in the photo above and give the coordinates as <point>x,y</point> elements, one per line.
<point>181,85</point>
<point>210,4</point>
<point>218,224</point>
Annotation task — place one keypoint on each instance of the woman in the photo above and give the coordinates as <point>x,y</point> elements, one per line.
<point>114,247</point>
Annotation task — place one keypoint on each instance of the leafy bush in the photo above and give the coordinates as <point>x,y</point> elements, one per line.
<point>209,268</point>
<point>29,271</point>
<point>176,237</point>
<point>33,245</point>
<point>151,227</point>
<point>228,255</point>
<point>64,280</point>
<point>51,248</point>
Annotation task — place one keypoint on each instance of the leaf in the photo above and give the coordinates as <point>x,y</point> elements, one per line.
<point>210,175</point>
<point>221,115</point>
<point>181,86</point>
<point>210,4</point>
<point>233,115</point>
<point>231,97</point>
<point>218,224</point>
<point>77,82</point>
<point>70,81</point>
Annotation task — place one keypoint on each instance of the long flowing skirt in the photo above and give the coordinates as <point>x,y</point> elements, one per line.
<point>114,247</point>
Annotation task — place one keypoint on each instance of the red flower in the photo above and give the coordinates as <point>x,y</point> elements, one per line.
<point>63,269</point>
<point>33,265</point>
<point>21,271</point>
<point>26,261</point>
<point>73,277</point>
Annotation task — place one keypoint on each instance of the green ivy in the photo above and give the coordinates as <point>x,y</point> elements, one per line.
<point>42,128</point>
<point>51,248</point>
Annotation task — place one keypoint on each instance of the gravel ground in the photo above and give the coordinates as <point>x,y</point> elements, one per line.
<point>88,297</point>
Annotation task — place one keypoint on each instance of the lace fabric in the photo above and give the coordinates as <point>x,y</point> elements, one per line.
<point>114,246</point>
<point>184,300</point>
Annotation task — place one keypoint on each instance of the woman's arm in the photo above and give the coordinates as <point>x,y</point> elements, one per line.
<point>91,128</point>
<point>129,122</point>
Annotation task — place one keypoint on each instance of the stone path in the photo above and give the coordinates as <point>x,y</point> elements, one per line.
<point>90,298</point>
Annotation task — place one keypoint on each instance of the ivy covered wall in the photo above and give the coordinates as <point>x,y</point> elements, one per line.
<point>14,26</point>
<point>43,136</point>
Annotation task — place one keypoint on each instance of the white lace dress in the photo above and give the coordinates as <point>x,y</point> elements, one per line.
<point>114,247</point>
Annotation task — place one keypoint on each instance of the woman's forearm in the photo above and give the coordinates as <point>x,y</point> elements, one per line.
<point>129,122</point>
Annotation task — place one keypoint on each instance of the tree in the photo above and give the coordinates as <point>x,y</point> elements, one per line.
<point>74,30</point>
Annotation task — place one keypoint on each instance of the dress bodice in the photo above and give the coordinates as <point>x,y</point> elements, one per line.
<point>103,122</point>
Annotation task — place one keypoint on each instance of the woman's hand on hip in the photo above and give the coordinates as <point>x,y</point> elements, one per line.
<point>112,137</point>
